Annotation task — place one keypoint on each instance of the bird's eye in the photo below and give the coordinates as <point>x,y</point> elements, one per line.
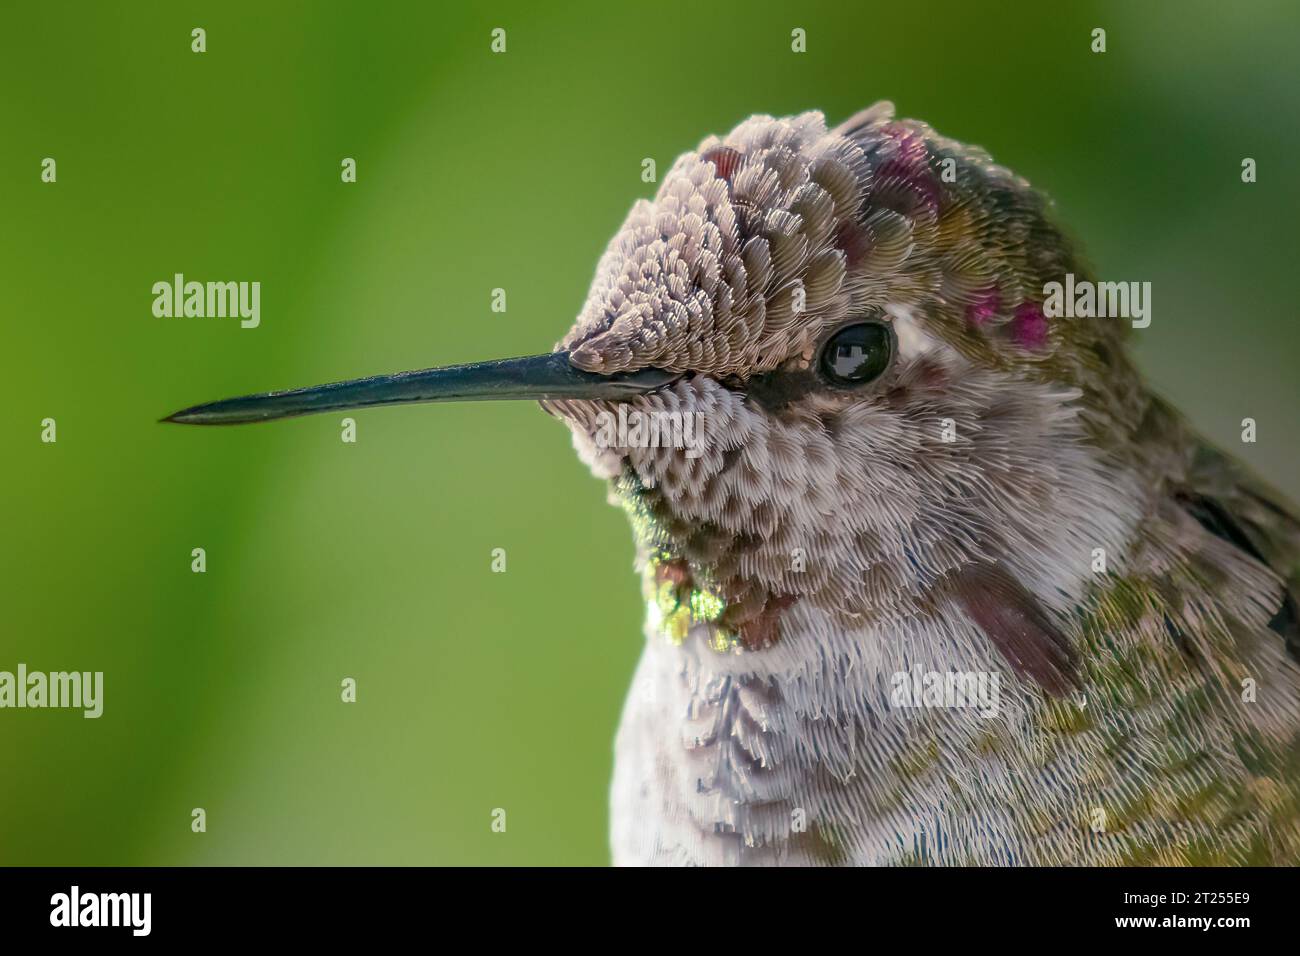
<point>857,353</point>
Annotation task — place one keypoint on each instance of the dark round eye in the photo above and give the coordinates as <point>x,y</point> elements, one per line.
<point>857,353</point>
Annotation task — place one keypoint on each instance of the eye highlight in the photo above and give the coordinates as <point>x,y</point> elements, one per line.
<point>857,353</point>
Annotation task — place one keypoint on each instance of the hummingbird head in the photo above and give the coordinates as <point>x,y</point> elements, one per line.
<point>817,371</point>
<point>869,395</point>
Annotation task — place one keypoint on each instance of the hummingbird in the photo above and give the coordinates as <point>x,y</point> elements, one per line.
<point>941,581</point>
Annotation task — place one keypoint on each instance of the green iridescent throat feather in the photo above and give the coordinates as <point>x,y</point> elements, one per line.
<point>669,583</point>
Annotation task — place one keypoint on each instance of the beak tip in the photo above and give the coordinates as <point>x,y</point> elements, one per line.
<point>186,416</point>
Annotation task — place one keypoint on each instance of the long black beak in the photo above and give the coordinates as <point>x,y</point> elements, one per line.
<point>537,377</point>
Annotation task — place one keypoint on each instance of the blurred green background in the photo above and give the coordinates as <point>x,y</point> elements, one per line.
<point>326,560</point>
